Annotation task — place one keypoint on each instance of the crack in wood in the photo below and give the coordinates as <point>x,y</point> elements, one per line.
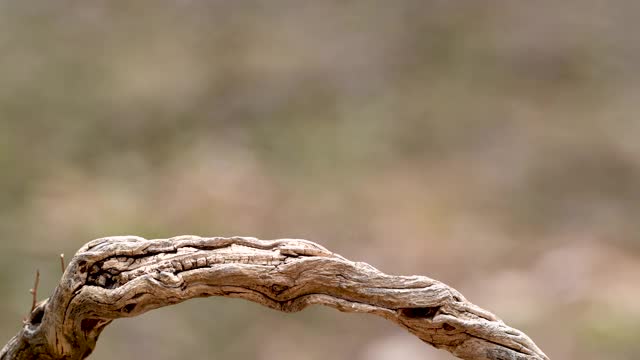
<point>112,272</point>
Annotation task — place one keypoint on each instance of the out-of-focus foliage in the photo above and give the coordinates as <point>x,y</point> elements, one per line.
<point>493,145</point>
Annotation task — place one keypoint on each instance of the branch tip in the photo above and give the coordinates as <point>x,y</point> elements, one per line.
<point>34,291</point>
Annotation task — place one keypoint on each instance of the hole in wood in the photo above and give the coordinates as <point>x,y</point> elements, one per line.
<point>82,266</point>
<point>277,289</point>
<point>88,324</point>
<point>448,327</point>
<point>37,316</point>
<point>422,312</point>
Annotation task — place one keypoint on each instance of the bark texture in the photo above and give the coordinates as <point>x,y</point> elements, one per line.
<point>125,276</point>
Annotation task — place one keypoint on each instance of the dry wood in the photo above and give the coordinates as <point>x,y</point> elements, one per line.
<point>125,276</point>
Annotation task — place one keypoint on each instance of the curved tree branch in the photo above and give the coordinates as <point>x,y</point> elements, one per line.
<point>125,276</point>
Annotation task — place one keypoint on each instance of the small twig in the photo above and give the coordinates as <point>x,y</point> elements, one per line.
<point>62,262</point>
<point>34,291</point>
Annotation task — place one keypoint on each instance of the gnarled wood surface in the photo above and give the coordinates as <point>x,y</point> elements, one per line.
<point>125,276</point>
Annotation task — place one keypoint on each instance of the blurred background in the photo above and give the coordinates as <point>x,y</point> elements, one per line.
<point>491,145</point>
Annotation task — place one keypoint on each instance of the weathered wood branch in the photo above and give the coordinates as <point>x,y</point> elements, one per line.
<point>125,276</point>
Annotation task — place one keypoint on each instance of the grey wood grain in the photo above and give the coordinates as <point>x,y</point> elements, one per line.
<point>125,276</point>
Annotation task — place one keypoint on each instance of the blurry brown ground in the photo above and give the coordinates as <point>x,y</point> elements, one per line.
<point>492,145</point>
